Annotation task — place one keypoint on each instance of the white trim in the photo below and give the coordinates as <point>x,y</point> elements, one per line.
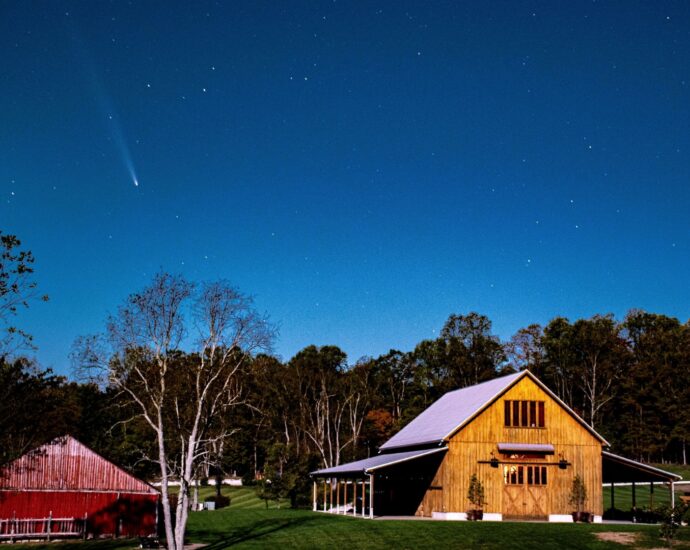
<point>596,519</point>
<point>406,459</point>
<point>449,516</point>
<point>492,517</point>
<point>561,518</point>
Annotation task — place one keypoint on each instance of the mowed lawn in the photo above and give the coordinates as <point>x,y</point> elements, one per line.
<point>303,529</point>
<point>248,524</point>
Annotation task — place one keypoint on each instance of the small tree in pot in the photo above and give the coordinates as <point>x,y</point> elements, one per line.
<point>578,497</point>
<point>475,494</point>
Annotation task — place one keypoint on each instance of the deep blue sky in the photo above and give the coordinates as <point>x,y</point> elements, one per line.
<point>363,169</point>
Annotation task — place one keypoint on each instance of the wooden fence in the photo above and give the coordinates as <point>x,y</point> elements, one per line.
<point>41,528</point>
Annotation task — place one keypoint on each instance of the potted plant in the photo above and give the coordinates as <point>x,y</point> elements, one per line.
<point>578,497</point>
<point>475,494</point>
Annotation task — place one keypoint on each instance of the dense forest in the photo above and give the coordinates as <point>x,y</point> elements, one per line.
<point>282,418</point>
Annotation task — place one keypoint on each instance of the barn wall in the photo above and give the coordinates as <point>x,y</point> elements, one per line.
<point>475,442</point>
<point>107,513</point>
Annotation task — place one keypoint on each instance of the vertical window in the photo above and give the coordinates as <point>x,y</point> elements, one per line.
<point>523,414</point>
<point>533,414</point>
<point>520,475</point>
<point>541,414</point>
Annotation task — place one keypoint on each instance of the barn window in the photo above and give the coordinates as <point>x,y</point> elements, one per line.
<point>514,474</point>
<point>524,414</point>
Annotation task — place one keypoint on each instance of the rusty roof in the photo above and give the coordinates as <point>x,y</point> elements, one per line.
<point>65,464</point>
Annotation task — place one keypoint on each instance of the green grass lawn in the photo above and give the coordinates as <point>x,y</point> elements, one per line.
<point>248,524</point>
<point>303,529</point>
<point>241,498</point>
<point>284,528</point>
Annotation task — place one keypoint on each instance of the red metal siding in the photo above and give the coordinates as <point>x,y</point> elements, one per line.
<point>66,464</point>
<point>107,513</point>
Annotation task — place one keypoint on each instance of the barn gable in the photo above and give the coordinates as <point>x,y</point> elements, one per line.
<point>85,495</point>
<point>456,409</point>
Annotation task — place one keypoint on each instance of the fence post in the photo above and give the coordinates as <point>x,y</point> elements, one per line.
<point>50,521</point>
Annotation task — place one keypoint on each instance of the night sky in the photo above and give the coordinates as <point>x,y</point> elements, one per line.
<point>363,169</point>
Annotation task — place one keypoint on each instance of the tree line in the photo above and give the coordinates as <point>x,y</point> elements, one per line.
<point>181,384</point>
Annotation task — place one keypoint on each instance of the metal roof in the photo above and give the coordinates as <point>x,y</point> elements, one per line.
<point>455,409</point>
<point>545,448</point>
<point>65,464</point>
<point>374,463</point>
<point>618,469</point>
<point>450,412</point>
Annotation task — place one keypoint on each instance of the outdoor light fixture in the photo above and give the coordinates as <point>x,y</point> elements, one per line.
<point>493,461</point>
<point>562,463</point>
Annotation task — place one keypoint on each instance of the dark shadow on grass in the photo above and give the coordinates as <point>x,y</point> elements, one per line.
<point>255,531</point>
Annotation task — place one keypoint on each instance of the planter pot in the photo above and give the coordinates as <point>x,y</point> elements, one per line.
<point>582,517</point>
<point>475,515</point>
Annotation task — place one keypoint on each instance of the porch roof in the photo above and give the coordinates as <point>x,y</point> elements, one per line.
<point>618,469</point>
<point>371,464</point>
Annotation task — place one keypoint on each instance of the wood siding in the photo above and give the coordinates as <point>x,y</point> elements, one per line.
<point>477,440</point>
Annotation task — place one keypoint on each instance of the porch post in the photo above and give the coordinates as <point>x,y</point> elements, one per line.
<point>337,495</point>
<point>634,503</point>
<point>330,494</point>
<point>371,496</point>
<point>651,494</point>
<point>613,497</point>
<point>325,486</point>
<point>673,494</point>
<point>314,506</point>
<point>364,495</point>
<point>354,497</point>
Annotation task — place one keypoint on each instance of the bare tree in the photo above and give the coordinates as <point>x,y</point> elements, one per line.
<point>181,395</point>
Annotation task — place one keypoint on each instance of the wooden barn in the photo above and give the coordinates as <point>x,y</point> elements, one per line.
<point>521,441</point>
<point>64,488</point>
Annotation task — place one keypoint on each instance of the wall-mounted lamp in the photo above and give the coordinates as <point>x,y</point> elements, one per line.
<point>562,462</point>
<point>493,461</point>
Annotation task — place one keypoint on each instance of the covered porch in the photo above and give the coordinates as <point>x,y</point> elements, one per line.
<point>386,484</point>
<point>633,486</point>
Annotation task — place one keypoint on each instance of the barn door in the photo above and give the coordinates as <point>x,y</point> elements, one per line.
<point>524,492</point>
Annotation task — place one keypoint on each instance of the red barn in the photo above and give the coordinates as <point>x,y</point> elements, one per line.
<point>65,479</point>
